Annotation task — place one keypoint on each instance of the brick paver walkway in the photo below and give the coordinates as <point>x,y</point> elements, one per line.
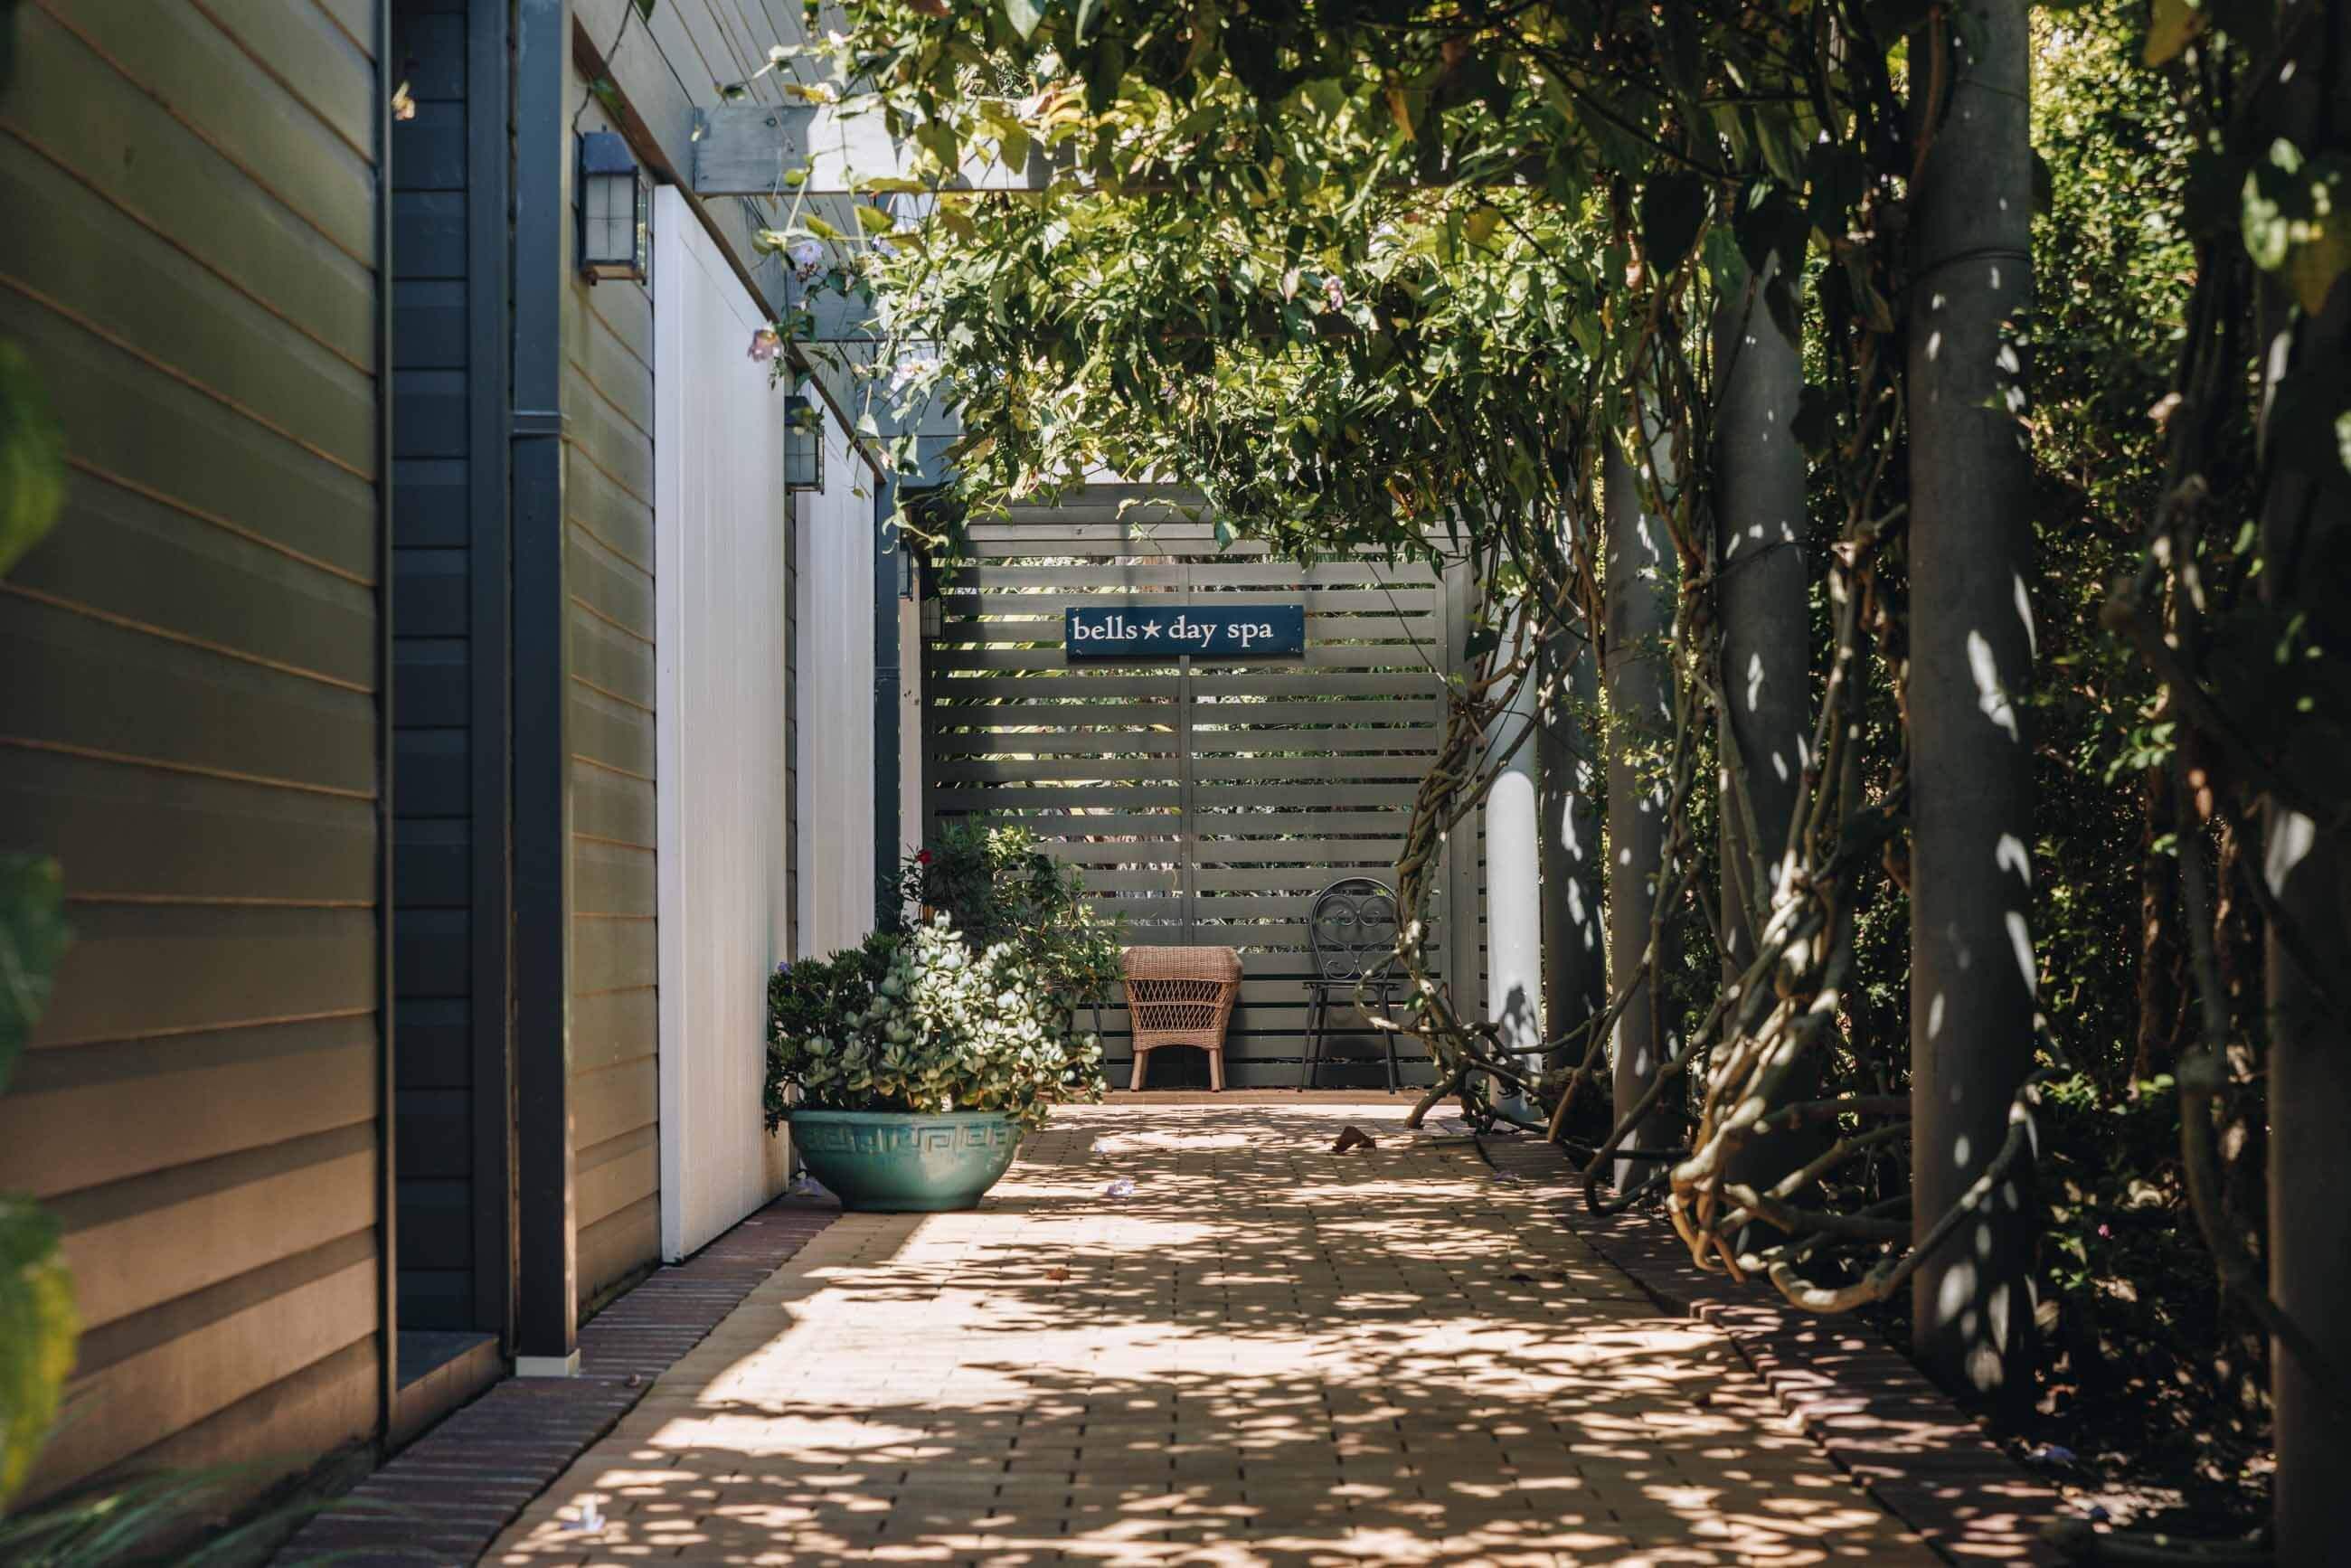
<point>445,1497</point>
<point>1268,1353</point>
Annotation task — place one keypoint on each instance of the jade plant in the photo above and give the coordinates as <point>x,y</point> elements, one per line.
<point>996,885</point>
<point>917,1021</point>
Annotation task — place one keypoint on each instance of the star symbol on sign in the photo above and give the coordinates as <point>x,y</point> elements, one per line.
<point>1151,628</point>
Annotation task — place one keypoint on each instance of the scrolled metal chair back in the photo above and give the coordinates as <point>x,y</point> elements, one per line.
<point>1353,928</point>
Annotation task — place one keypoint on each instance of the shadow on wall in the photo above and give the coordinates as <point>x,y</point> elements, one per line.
<point>1268,1353</point>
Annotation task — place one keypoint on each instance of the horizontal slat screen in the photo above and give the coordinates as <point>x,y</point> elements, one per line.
<point>1206,806</point>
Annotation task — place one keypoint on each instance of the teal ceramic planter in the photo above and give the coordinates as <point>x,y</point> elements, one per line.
<point>893,1162</point>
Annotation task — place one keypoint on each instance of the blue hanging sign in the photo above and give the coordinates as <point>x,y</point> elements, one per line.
<point>1139,632</point>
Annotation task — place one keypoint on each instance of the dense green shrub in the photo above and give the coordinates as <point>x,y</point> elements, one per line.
<point>917,1021</point>
<point>995,886</point>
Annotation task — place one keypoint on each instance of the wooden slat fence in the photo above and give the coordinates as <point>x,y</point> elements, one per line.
<point>1206,801</point>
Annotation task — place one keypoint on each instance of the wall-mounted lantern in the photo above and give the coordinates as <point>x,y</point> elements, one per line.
<point>803,445</point>
<point>616,210</point>
<point>934,611</point>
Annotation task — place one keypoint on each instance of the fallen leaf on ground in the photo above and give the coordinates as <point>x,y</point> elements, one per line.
<point>1354,1137</point>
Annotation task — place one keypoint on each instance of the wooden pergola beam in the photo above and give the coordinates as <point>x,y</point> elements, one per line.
<point>753,148</point>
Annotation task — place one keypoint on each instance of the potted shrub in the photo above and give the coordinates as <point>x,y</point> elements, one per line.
<point>909,1066</point>
<point>996,885</point>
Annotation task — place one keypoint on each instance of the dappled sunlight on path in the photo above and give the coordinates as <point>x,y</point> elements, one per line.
<point>1268,1353</point>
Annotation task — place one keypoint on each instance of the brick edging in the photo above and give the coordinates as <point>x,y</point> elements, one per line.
<point>1874,1412</point>
<point>445,1497</point>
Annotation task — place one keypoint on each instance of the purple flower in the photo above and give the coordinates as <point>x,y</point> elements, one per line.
<point>766,344</point>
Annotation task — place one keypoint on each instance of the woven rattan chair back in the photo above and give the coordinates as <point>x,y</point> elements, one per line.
<point>1352,929</point>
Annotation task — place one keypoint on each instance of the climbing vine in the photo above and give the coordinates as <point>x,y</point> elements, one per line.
<point>1439,282</point>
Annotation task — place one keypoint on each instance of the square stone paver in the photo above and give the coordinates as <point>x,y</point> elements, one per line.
<point>1268,1353</point>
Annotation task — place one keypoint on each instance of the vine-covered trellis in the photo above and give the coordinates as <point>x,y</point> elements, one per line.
<point>1376,276</point>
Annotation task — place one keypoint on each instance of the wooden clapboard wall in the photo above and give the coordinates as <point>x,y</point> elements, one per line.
<point>189,716</point>
<point>608,490</point>
<point>663,62</point>
<point>1206,806</point>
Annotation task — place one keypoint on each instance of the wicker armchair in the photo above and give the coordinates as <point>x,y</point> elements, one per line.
<point>1181,996</point>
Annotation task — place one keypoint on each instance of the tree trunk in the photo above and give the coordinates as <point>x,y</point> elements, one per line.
<point>1971,966</point>
<point>1640,569</point>
<point>1766,619</point>
<point>1574,953</point>
<point>2309,1174</point>
<point>2159,1019</point>
<point>2305,560</point>
<point>1513,896</point>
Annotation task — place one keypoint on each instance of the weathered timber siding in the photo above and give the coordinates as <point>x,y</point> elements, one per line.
<point>661,68</point>
<point>607,411</point>
<point>431,591</point>
<point>1205,807</point>
<point>189,716</point>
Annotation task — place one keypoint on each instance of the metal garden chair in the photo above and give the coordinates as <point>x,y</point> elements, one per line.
<point>1350,934</point>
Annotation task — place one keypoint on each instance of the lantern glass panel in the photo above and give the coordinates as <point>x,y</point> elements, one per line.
<point>803,445</point>
<point>643,235</point>
<point>615,209</point>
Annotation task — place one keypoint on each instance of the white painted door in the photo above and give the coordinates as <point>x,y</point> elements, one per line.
<point>720,516</point>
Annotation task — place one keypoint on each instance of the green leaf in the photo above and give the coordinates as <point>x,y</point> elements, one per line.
<point>38,1328</point>
<point>875,220</point>
<point>2295,223</point>
<point>1024,16</point>
<point>1673,210</point>
<point>1109,70</point>
<point>2172,28</point>
<point>2323,256</point>
<point>33,939</point>
<point>31,457</point>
